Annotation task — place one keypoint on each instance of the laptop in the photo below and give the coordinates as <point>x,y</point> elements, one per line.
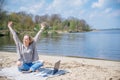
<point>55,69</point>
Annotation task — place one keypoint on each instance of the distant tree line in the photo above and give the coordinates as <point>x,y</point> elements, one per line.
<point>56,22</point>
<point>28,22</point>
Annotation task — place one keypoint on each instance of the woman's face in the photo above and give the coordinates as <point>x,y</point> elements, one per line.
<point>26,40</point>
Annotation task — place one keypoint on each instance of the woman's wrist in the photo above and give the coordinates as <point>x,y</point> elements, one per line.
<point>42,28</point>
<point>9,26</point>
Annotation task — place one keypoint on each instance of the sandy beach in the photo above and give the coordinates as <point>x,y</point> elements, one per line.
<point>79,68</point>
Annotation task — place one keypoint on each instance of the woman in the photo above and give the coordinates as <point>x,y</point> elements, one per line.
<point>27,52</point>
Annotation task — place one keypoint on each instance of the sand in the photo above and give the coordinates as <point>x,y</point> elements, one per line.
<point>79,68</point>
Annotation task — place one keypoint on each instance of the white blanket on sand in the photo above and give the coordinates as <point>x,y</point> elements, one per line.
<point>13,73</point>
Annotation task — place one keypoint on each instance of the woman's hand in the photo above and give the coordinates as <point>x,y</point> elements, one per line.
<point>10,23</point>
<point>18,63</point>
<point>43,25</point>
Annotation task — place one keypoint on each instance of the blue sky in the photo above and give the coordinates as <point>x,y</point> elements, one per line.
<point>100,14</point>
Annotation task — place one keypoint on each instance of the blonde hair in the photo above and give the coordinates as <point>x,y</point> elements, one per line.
<point>31,39</point>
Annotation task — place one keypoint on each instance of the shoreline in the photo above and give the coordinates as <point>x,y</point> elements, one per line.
<point>80,68</point>
<point>93,58</point>
<point>70,56</point>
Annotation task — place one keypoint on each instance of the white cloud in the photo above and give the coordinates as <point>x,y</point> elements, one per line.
<point>66,8</point>
<point>33,7</point>
<point>98,4</point>
<point>103,13</point>
<point>78,2</point>
<point>108,10</point>
<point>82,12</point>
<point>99,14</point>
<point>93,14</point>
<point>62,4</point>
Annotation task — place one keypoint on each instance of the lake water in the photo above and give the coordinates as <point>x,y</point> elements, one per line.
<point>100,44</point>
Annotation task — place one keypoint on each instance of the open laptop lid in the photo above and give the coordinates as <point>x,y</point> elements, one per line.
<point>57,65</point>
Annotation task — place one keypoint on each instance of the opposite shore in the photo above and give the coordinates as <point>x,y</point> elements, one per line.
<point>80,68</point>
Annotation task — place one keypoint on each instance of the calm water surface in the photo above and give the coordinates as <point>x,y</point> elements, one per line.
<point>100,44</point>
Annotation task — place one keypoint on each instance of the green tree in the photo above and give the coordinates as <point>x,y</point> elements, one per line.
<point>22,21</point>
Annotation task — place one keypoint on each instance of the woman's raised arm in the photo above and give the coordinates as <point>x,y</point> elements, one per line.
<point>15,37</point>
<point>37,37</point>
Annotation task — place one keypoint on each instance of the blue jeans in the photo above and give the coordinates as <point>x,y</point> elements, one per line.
<point>30,66</point>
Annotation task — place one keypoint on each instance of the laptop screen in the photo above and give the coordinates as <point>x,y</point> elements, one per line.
<point>57,65</point>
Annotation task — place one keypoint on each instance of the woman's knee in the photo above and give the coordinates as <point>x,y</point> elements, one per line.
<point>41,62</point>
<point>36,65</point>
